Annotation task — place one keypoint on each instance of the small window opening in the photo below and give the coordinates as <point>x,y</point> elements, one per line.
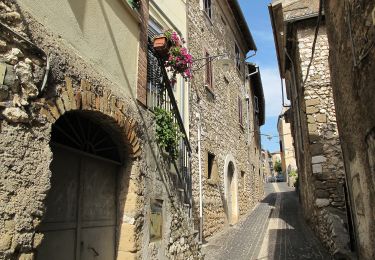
<point>208,8</point>
<point>243,180</point>
<point>208,71</point>
<point>210,162</point>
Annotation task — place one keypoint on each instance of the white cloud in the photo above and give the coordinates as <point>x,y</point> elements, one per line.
<point>272,90</point>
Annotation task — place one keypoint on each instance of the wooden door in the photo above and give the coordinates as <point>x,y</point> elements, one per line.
<point>80,220</point>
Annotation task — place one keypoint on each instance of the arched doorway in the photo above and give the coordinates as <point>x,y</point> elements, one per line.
<point>231,190</point>
<point>81,206</point>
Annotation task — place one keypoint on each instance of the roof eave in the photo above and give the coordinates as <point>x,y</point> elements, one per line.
<point>241,21</point>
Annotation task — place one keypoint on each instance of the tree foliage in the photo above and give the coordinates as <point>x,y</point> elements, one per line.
<point>277,166</point>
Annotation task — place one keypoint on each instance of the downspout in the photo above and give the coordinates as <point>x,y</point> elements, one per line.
<point>297,101</point>
<point>198,116</point>
<point>248,106</point>
<point>282,93</point>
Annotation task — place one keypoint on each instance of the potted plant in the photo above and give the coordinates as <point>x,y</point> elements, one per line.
<point>177,58</point>
<point>167,132</point>
<point>161,46</point>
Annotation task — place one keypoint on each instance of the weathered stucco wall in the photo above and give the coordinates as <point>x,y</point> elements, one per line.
<point>74,84</point>
<point>104,33</point>
<point>351,34</point>
<point>221,133</point>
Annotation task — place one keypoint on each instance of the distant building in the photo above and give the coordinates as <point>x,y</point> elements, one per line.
<point>288,160</point>
<point>267,165</point>
<point>227,108</point>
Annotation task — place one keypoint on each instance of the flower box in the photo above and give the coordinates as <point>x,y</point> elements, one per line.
<point>161,46</point>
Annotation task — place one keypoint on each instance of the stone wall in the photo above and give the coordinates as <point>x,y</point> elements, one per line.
<point>221,133</point>
<point>351,34</point>
<point>323,173</point>
<point>26,117</point>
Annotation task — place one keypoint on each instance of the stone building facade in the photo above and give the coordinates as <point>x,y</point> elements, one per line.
<point>314,128</point>
<point>267,166</point>
<point>288,159</point>
<point>351,33</point>
<point>81,175</point>
<point>226,109</point>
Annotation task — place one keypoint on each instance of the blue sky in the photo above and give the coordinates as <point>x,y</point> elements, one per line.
<point>257,16</point>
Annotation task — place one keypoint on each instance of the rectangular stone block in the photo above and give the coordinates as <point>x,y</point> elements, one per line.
<point>312,128</point>
<point>60,106</point>
<point>321,118</point>
<point>312,110</point>
<point>70,91</point>
<point>66,101</point>
<point>318,159</point>
<point>317,168</point>
<point>312,102</point>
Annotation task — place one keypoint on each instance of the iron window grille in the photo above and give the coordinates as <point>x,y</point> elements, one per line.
<point>208,8</point>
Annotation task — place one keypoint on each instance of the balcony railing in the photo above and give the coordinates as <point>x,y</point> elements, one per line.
<point>160,94</point>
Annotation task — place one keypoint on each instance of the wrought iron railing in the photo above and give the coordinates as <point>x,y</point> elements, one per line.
<point>160,94</point>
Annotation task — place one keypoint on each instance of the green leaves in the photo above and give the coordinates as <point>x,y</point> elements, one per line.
<point>167,132</point>
<point>135,4</point>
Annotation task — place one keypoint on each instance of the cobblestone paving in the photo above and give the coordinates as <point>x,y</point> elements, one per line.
<point>275,229</point>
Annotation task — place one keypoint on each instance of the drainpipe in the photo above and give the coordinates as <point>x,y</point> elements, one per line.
<point>198,116</point>
<point>248,104</point>
<point>297,101</point>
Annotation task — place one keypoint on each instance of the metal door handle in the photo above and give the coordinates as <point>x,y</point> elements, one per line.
<point>93,249</point>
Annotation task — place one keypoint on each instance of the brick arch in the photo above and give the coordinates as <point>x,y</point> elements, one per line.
<point>87,99</point>
<point>84,98</point>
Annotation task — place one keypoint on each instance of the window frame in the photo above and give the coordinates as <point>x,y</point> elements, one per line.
<point>152,89</point>
<point>207,8</point>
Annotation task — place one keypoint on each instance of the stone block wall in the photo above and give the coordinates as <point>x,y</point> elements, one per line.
<point>221,133</point>
<point>26,117</point>
<point>322,180</point>
<point>351,34</point>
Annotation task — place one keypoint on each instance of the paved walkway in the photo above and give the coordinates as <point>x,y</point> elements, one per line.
<point>275,229</point>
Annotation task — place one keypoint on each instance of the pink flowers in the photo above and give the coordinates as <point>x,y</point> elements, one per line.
<point>179,60</point>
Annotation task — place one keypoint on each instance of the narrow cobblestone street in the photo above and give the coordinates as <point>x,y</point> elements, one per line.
<point>274,230</point>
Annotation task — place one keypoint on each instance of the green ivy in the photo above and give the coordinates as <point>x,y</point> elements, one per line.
<point>135,4</point>
<point>167,132</point>
<point>293,173</point>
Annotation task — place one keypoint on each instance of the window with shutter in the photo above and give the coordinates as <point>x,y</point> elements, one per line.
<point>153,70</point>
